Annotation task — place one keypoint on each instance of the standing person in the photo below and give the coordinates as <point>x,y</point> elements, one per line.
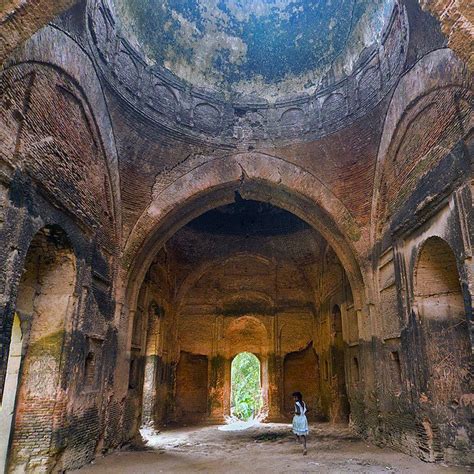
<point>300,422</point>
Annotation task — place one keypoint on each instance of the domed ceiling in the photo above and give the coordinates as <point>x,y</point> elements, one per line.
<point>245,47</point>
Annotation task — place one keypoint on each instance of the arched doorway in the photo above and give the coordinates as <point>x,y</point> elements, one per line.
<point>215,183</point>
<point>246,388</point>
<point>241,277</point>
<point>444,327</point>
<point>34,395</point>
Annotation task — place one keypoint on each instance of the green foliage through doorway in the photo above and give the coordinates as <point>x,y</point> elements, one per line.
<point>246,394</point>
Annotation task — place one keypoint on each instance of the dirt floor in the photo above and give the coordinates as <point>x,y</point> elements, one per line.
<point>263,448</point>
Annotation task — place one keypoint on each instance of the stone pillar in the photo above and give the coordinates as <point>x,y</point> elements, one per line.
<point>152,361</point>
<point>275,388</point>
<point>217,377</point>
<point>275,374</point>
<point>227,387</point>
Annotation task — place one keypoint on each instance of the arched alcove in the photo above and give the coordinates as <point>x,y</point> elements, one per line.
<point>440,307</point>
<point>43,306</point>
<point>337,322</point>
<point>416,89</point>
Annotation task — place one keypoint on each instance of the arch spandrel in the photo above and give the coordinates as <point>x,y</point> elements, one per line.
<point>82,74</point>
<point>437,70</point>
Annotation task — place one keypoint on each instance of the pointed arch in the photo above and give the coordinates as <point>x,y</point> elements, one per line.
<point>201,184</point>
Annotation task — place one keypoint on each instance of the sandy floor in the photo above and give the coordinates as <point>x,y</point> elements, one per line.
<point>266,448</point>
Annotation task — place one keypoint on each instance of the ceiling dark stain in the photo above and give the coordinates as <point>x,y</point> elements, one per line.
<point>248,217</point>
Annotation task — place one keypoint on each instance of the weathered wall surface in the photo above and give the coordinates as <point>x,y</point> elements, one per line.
<point>116,159</point>
<point>246,298</point>
<point>237,293</point>
<point>295,365</point>
<point>191,386</point>
<point>20,20</point>
<point>456,20</point>
<point>57,172</point>
<point>432,169</point>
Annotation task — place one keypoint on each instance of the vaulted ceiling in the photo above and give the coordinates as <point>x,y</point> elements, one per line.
<point>268,47</point>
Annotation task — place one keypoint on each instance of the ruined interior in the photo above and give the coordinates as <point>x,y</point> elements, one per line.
<point>183,182</point>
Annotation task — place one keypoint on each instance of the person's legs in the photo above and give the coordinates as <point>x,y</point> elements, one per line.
<point>304,445</point>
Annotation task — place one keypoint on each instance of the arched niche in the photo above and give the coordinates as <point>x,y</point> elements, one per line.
<point>337,322</point>
<point>72,151</point>
<point>444,327</point>
<point>90,93</point>
<point>438,72</point>
<point>43,306</point>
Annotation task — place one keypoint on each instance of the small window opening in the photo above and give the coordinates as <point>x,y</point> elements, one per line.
<point>133,374</point>
<point>396,367</point>
<point>355,371</point>
<point>337,320</point>
<point>326,370</point>
<point>89,370</point>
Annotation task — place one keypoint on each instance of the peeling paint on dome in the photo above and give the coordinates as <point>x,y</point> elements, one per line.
<point>246,47</point>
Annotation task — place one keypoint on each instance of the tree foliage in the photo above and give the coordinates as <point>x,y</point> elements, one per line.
<point>246,398</point>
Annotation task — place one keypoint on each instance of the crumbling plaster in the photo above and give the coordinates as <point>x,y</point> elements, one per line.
<point>84,150</point>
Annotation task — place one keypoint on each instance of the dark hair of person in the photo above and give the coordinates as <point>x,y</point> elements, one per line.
<point>298,395</point>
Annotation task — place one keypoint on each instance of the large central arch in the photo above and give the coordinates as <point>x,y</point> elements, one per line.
<point>201,183</point>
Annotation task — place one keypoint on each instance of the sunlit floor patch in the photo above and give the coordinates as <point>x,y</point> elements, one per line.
<point>239,425</point>
<point>263,448</point>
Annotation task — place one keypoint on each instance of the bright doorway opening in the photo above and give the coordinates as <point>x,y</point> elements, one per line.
<point>246,389</point>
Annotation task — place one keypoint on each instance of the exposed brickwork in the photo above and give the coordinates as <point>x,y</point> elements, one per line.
<point>60,151</point>
<point>456,20</point>
<point>129,318</point>
<point>416,149</point>
<point>19,20</point>
<point>191,386</point>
